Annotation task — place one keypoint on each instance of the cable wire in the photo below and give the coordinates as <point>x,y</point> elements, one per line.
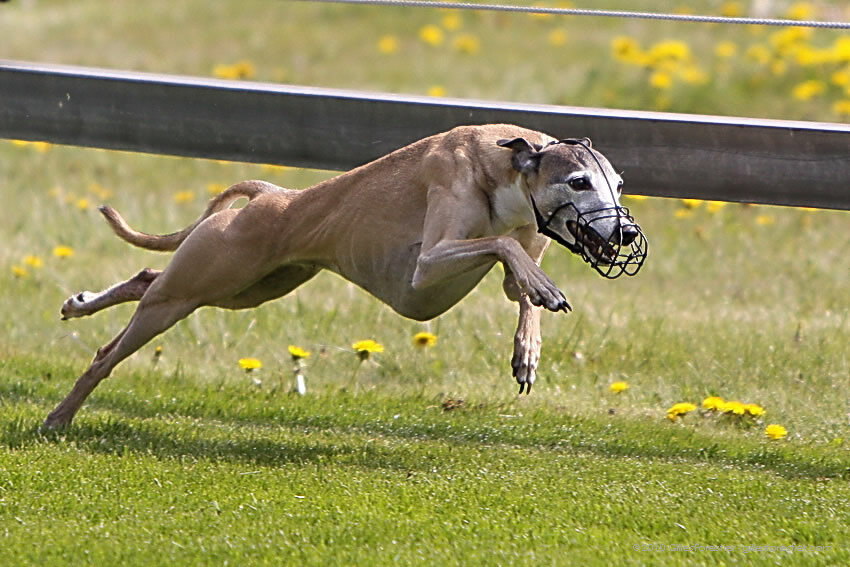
<point>597,13</point>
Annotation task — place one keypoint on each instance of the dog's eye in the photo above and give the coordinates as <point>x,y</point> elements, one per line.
<point>580,183</point>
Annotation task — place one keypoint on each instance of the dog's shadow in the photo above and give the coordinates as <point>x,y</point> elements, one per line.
<point>120,438</point>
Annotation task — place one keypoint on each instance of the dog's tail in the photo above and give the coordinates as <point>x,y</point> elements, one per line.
<point>170,242</point>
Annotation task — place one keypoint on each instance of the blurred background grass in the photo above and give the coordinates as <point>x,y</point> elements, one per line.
<point>745,302</point>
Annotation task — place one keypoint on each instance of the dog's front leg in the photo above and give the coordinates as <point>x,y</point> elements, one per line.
<point>527,343</point>
<point>451,258</point>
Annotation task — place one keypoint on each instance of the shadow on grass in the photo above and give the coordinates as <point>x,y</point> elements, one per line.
<point>339,415</point>
<point>109,436</point>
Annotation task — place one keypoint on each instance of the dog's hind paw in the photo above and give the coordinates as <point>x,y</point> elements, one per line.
<point>77,305</point>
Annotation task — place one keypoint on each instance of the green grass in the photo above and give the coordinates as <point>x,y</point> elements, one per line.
<point>187,459</point>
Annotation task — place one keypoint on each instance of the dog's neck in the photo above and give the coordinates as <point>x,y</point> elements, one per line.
<point>510,205</point>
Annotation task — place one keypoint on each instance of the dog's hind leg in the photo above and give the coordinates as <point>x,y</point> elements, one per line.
<point>154,315</point>
<point>87,302</point>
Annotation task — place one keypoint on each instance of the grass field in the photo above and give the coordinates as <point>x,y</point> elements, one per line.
<point>424,455</point>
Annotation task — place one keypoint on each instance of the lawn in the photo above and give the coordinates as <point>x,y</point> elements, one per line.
<point>424,454</point>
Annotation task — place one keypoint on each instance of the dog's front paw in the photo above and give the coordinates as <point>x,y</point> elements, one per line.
<point>76,305</point>
<point>543,292</point>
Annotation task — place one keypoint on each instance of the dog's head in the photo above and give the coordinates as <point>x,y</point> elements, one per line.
<point>575,193</point>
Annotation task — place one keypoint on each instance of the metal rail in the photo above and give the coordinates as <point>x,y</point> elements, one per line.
<point>670,155</point>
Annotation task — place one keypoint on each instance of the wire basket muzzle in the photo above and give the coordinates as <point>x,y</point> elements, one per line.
<point>622,251</point>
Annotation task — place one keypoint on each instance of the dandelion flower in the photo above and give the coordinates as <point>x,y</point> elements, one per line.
<point>388,44</point>
<point>250,364</point>
<point>660,80</point>
<point>184,197</point>
<point>733,407</point>
<point>800,11</point>
<point>365,348</point>
<point>424,339</point>
<point>841,107</point>
<point>452,21</point>
<point>63,251</point>
<point>713,403</point>
<point>298,353</point>
<point>726,49</point>
<point>808,90</point>
<point>432,35</point>
<point>618,387</point>
<point>775,431</point>
<point>466,43</point>
<point>437,91</point>
<point>33,261</point>
<point>715,206</point>
<point>19,272</point>
<point>82,203</point>
<point>680,409</point>
<point>731,10</point>
<point>754,410</point>
<point>557,38</point>
<point>765,220</point>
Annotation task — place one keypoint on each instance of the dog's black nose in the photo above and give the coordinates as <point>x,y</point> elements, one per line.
<point>628,234</point>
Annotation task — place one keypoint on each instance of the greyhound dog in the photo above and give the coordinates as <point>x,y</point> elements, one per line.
<point>417,228</point>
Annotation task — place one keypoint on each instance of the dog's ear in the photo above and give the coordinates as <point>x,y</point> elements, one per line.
<point>526,157</point>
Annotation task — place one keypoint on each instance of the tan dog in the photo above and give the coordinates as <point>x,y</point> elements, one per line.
<point>417,229</point>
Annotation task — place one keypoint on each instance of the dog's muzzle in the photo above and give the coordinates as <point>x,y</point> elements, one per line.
<point>622,252</point>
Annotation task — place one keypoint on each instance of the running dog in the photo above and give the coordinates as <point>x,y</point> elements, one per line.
<point>417,228</point>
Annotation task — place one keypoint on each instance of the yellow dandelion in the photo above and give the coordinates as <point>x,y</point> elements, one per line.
<point>240,70</point>
<point>633,197</point>
<point>557,38</point>
<point>660,80</point>
<point>731,10</point>
<point>733,407</point>
<point>63,251</point>
<point>452,21</point>
<point>33,261</point>
<point>19,272</point>
<point>436,91</point>
<point>841,49</point>
<point>693,75</point>
<point>250,364</point>
<point>680,409</point>
<point>431,35</point>
<point>388,44</point>
<point>683,213</point>
<point>714,207</point>
<point>424,339</point>
<point>215,188</point>
<point>800,11</point>
<point>618,387</point>
<point>184,197</point>
<point>765,220</point>
<point>775,431</point>
<point>466,43</point>
<point>671,49</point>
<point>82,204</point>
<point>840,78</point>
<point>726,49</point>
<point>841,107</point>
<point>100,191</point>
<point>754,410</point>
<point>691,203</point>
<point>713,403</point>
<point>368,345</point>
<point>759,53</point>
<point>298,353</point>
<point>364,349</point>
<point>627,50</point>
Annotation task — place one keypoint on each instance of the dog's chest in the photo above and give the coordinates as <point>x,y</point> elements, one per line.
<point>510,208</point>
